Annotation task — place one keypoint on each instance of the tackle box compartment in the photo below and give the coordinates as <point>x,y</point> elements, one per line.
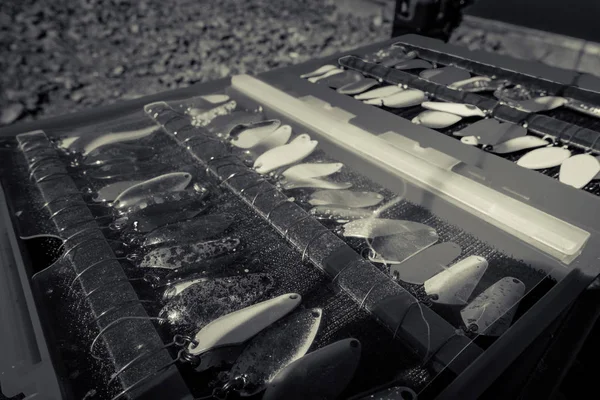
<point>467,367</point>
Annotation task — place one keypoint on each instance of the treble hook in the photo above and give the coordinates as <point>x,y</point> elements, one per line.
<point>178,341</point>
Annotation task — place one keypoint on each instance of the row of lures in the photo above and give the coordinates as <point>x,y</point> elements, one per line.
<point>443,286</point>
<point>257,138</point>
<point>414,256</point>
<point>267,147</point>
<point>111,153</point>
<point>407,239</point>
<point>268,346</point>
<point>576,171</point>
<point>286,365</point>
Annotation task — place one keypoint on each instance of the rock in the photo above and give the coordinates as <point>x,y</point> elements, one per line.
<point>11,113</point>
<point>118,71</point>
<point>77,96</point>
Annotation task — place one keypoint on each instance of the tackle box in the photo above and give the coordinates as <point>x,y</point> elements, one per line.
<point>82,320</point>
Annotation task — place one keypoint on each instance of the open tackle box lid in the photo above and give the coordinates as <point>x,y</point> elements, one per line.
<point>574,265</point>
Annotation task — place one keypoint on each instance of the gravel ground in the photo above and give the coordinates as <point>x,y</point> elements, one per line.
<point>61,56</point>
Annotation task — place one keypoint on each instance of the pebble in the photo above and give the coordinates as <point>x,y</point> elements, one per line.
<point>11,113</point>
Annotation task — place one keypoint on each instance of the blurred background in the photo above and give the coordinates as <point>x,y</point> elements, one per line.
<point>61,56</point>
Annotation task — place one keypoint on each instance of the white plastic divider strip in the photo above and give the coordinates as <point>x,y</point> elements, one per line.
<point>547,233</point>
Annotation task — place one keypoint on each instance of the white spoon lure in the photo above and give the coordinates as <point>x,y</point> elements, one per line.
<point>491,313</point>
<point>436,119</point>
<point>579,170</point>
<point>379,92</point>
<point>319,71</point>
<point>316,79</point>
<point>358,87</point>
<point>239,326</point>
<point>345,198</point>
<point>311,170</point>
<point>375,227</point>
<point>246,137</point>
<point>455,285</point>
<point>296,150</point>
<point>118,137</point>
<point>546,157</point>
<point>406,98</point>
<point>463,110</point>
<point>277,138</point>
<point>316,183</point>
<point>518,144</point>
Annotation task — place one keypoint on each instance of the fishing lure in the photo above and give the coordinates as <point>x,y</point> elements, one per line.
<point>338,80</point>
<point>394,249</point>
<point>375,227</point>
<point>194,230</point>
<point>462,110</point>
<point>436,119</point>
<point>296,150</point>
<point>117,137</point>
<point>491,313</point>
<point>426,263</point>
<point>546,157</point>
<point>345,198</point>
<point>109,153</point>
<point>161,209</point>
<point>316,79</point>
<point>311,170</point>
<point>109,193</point>
<point>215,98</point>
<point>129,127</point>
<point>579,170</point>
<point>455,285</point>
<point>479,127</point>
<point>184,255</point>
<point>379,92</point>
<point>172,182</point>
<point>314,183</point>
<point>273,349</point>
<point>319,71</point>
<point>248,136</point>
<point>358,87</point>
<point>445,76</point>
<point>238,327</point>
<point>321,374</point>
<point>277,138</point>
<point>198,305</point>
<point>470,140</point>
<point>406,98</point>
<point>518,144</point>
<point>126,170</point>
